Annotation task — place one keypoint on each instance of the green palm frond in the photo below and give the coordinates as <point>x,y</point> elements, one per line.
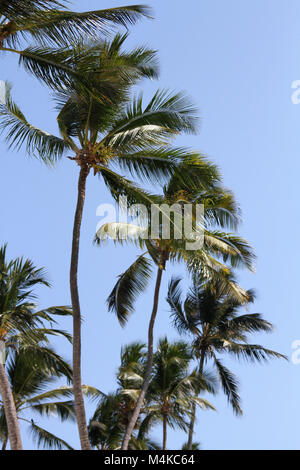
<point>65,392</point>
<point>230,386</point>
<point>132,359</point>
<point>164,116</point>
<point>105,429</point>
<point>131,283</point>
<point>252,352</point>
<point>50,313</point>
<point>249,323</point>
<point>65,410</point>
<point>63,26</point>
<point>203,404</point>
<point>46,439</point>
<point>54,67</point>
<point>183,323</point>
<point>231,247</point>
<point>45,356</point>
<point>120,186</point>
<point>153,164</point>
<point>61,392</point>
<point>19,132</point>
<point>14,8</point>
<point>196,178</point>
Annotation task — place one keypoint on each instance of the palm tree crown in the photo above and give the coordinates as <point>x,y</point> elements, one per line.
<point>173,387</point>
<point>53,28</point>
<point>210,316</point>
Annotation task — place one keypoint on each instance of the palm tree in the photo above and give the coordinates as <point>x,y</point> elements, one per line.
<point>211,317</point>
<point>194,182</point>
<point>107,426</point>
<point>195,446</point>
<point>30,372</point>
<point>53,27</point>
<point>29,377</point>
<point>22,326</point>
<point>172,389</point>
<point>102,136</point>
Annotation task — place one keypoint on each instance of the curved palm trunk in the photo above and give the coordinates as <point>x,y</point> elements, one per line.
<point>77,385</point>
<point>146,382</point>
<point>194,409</point>
<point>165,432</point>
<point>12,422</point>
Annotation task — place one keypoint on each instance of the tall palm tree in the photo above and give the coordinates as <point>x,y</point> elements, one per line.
<point>22,326</point>
<point>52,27</point>
<point>194,182</point>
<point>120,134</point>
<point>211,317</point>
<point>172,389</point>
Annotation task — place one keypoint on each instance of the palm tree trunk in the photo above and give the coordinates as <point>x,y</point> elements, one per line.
<point>165,432</point>
<point>10,411</point>
<point>191,427</point>
<point>77,385</point>
<point>194,409</point>
<point>146,382</point>
<point>4,445</point>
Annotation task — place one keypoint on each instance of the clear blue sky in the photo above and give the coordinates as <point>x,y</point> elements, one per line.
<point>237,60</point>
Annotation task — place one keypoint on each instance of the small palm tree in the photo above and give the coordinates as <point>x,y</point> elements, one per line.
<point>194,182</point>
<point>52,27</point>
<point>31,371</point>
<point>107,426</point>
<point>22,326</point>
<point>172,389</point>
<point>105,429</point>
<point>195,446</point>
<point>211,317</point>
<point>29,375</point>
<point>107,138</point>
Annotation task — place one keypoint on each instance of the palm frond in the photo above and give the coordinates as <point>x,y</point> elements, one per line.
<point>153,164</point>
<point>19,132</point>
<point>64,26</point>
<point>46,439</point>
<point>230,386</point>
<point>165,116</point>
<point>250,323</point>
<point>182,323</point>
<point>252,352</point>
<point>131,283</point>
<point>65,410</point>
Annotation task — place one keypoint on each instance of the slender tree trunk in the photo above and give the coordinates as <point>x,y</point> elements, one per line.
<point>11,416</point>
<point>194,409</point>
<point>4,445</point>
<point>77,385</point>
<point>191,427</point>
<point>147,377</point>
<point>165,427</point>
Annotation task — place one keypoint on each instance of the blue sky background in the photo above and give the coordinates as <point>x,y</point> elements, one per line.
<point>238,61</point>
